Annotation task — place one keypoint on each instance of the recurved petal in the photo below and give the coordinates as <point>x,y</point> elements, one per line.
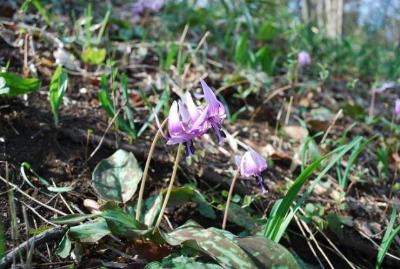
<point>175,125</point>
<point>192,109</point>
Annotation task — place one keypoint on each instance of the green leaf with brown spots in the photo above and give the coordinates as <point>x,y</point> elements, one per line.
<point>216,243</point>
<point>116,178</point>
<point>266,253</point>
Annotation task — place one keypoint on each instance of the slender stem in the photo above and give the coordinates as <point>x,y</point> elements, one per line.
<point>372,105</point>
<point>228,201</point>
<point>171,183</point>
<point>146,170</point>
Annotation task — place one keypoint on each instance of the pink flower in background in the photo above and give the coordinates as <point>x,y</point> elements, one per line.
<point>397,107</point>
<point>252,164</point>
<point>304,58</point>
<point>152,5</point>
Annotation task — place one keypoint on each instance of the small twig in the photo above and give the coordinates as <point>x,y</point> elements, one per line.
<point>308,242</point>
<point>331,126</point>
<point>50,235</point>
<point>228,200</point>
<point>30,197</point>
<point>104,135</point>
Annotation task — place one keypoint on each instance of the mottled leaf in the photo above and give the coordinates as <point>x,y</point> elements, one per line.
<point>216,243</point>
<point>116,178</point>
<point>90,232</point>
<point>266,253</point>
<point>123,225</point>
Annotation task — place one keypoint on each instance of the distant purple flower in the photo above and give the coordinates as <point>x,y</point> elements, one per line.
<point>304,58</point>
<point>215,112</point>
<point>385,86</point>
<point>252,164</point>
<point>152,5</point>
<point>397,107</point>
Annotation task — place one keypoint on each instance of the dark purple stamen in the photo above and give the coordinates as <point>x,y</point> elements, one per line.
<point>189,148</point>
<point>260,182</point>
<point>220,135</point>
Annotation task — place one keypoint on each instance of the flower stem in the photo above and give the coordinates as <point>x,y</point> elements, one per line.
<point>171,183</point>
<point>146,170</point>
<point>228,201</point>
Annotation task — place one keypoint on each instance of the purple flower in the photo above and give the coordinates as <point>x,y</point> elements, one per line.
<point>252,164</point>
<point>215,112</point>
<point>397,107</point>
<point>141,5</point>
<point>385,86</point>
<point>185,123</point>
<point>304,58</point>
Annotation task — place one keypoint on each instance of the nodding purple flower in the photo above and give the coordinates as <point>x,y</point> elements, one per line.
<point>215,112</point>
<point>397,107</point>
<point>252,164</point>
<point>185,123</point>
<point>304,58</point>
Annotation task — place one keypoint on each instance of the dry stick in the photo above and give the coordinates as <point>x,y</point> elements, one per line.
<point>228,200</point>
<point>53,234</point>
<point>331,126</point>
<point>171,183</point>
<point>30,197</point>
<point>308,242</point>
<point>104,135</point>
<point>372,106</point>
<point>332,244</point>
<point>316,243</point>
<point>146,170</point>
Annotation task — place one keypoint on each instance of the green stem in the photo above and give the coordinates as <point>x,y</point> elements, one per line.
<point>146,170</point>
<point>228,201</point>
<point>171,183</point>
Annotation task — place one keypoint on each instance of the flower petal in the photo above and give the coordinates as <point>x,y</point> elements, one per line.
<point>175,126</point>
<point>192,109</point>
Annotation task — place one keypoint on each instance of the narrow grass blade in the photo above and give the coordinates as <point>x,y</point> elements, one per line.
<point>280,219</point>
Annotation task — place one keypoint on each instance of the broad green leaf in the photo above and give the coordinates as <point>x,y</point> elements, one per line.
<point>266,253</point>
<point>90,232</point>
<point>123,225</point>
<point>216,243</point>
<point>18,85</point>
<point>241,50</point>
<point>181,262</point>
<point>116,178</point>
<point>267,31</point>
<point>187,193</point>
<point>92,55</point>
<point>64,247</point>
<point>72,219</point>
<point>153,207</point>
<point>241,216</point>
<point>58,87</point>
